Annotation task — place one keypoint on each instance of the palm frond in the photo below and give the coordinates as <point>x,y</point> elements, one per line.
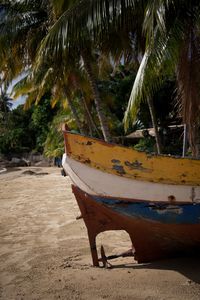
<point>22,87</point>
<point>30,100</point>
<point>154,18</point>
<point>159,60</point>
<point>44,85</point>
<point>93,15</point>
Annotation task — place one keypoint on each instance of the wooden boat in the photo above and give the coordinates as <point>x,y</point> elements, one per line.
<point>155,199</point>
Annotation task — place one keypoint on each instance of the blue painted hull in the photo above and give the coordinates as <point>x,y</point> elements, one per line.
<point>157,230</point>
<point>157,212</point>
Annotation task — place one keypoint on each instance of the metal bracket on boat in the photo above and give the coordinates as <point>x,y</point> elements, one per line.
<point>104,259</point>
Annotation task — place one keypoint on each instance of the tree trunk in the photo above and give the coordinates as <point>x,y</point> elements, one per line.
<point>97,99</point>
<point>188,76</point>
<point>87,120</point>
<point>184,140</point>
<point>197,154</point>
<point>194,139</point>
<point>4,106</point>
<point>154,123</point>
<point>90,120</point>
<point>75,114</point>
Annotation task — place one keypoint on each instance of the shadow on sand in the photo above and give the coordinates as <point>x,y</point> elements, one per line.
<point>188,266</point>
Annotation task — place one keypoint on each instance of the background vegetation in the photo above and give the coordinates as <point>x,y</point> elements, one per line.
<point>106,68</point>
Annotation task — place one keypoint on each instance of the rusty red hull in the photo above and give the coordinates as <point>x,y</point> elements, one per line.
<point>152,238</point>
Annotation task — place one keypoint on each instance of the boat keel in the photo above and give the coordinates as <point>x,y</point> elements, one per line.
<point>151,240</point>
<point>98,221</point>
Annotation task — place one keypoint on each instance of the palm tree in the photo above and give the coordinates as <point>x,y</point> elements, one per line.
<point>65,35</point>
<point>47,80</point>
<point>172,46</point>
<point>55,45</point>
<point>29,21</point>
<point>87,57</point>
<point>22,26</point>
<point>5,103</point>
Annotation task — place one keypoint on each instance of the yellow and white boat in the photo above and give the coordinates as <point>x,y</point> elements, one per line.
<point>156,199</point>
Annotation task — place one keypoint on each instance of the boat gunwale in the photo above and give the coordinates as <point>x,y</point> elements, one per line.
<point>148,154</point>
<point>130,163</point>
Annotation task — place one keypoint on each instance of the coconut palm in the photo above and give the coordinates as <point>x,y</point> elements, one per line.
<point>22,24</point>
<point>66,34</point>
<point>65,83</point>
<point>5,102</point>
<point>33,88</point>
<point>22,27</point>
<point>173,43</point>
<point>55,45</point>
<point>172,46</point>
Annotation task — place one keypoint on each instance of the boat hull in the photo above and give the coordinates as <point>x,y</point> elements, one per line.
<point>97,182</point>
<point>129,163</point>
<point>156,231</point>
<point>156,199</point>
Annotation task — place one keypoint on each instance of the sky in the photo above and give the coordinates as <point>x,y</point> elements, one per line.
<point>19,100</point>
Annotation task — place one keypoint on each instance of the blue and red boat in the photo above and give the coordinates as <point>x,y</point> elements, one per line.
<point>155,199</point>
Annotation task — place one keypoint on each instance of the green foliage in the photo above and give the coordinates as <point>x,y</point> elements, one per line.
<point>54,143</point>
<point>146,144</point>
<point>115,91</point>
<point>26,130</point>
<point>54,39</point>
<point>18,135</point>
<point>41,118</point>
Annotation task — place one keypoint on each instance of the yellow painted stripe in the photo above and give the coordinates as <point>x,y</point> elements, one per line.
<point>130,163</point>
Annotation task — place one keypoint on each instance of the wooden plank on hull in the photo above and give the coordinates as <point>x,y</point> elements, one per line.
<point>96,182</point>
<point>129,163</point>
<point>152,238</point>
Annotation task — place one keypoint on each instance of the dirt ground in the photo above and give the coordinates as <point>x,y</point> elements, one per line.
<point>44,252</point>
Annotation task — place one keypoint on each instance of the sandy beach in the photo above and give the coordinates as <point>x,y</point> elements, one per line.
<point>44,251</point>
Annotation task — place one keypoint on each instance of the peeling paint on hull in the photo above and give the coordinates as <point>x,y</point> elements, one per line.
<point>129,163</point>
<point>156,199</point>
<point>97,182</point>
<point>153,236</point>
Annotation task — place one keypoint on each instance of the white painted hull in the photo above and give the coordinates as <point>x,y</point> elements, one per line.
<point>96,182</point>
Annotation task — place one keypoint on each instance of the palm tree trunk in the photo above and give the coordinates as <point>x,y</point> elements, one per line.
<point>188,76</point>
<point>87,120</point>
<point>5,110</point>
<point>91,122</point>
<point>97,99</point>
<point>76,116</point>
<point>197,154</point>
<point>154,123</point>
<point>194,140</point>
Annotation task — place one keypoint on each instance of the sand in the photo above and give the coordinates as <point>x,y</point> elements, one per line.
<point>44,252</point>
